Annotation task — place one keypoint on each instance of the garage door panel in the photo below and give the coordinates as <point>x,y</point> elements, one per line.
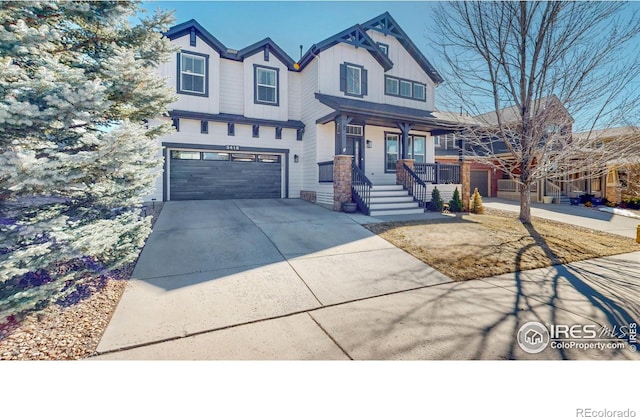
<point>480,179</point>
<point>213,180</point>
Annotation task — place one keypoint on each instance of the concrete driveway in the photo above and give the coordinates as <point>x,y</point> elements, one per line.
<point>211,265</point>
<point>285,279</point>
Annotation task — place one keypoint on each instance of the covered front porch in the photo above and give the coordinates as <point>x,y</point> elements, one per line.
<point>382,145</point>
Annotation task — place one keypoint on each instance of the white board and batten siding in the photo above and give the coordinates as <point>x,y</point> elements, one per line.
<point>232,90</point>
<point>405,67</point>
<point>266,111</point>
<point>203,104</point>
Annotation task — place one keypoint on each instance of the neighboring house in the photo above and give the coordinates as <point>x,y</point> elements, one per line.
<point>253,123</point>
<point>622,178</point>
<point>487,175</point>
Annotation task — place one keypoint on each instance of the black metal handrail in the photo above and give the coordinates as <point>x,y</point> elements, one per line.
<point>414,185</point>
<point>360,189</point>
<point>438,173</point>
<point>325,171</point>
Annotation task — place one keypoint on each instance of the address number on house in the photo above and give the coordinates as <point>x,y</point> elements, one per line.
<point>232,147</point>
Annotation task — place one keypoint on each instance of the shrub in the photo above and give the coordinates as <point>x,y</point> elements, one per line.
<point>476,202</point>
<point>455,205</point>
<point>436,203</point>
<point>588,204</point>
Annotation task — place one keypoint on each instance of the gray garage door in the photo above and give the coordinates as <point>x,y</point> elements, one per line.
<point>217,175</point>
<point>480,179</point>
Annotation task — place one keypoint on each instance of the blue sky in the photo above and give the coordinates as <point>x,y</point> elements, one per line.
<point>238,24</point>
<point>293,23</point>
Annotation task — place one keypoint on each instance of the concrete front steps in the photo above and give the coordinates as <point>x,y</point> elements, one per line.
<point>387,200</point>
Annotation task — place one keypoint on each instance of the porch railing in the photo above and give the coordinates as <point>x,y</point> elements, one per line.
<point>325,171</point>
<point>438,173</point>
<point>553,190</point>
<point>512,186</point>
<point>416,187</point>
<point>360,189</point>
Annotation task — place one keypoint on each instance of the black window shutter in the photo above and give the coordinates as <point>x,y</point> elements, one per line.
<point>343,77</point>
<point>364,82</point>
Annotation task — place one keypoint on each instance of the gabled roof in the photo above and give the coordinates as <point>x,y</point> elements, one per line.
<point>273,49</point>
<point>388,26</point>
<point>186,28</point>
<point>511,114</point>
<point>355,36</point>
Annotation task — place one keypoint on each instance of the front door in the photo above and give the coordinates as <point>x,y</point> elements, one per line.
<point>354,147</point>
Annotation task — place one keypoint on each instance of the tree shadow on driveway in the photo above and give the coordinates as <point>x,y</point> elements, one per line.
<point>480,319</point>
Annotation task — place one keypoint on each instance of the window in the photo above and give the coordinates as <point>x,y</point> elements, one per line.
<point>269,159</point>
<point>354,130</point>
<point>416,149</point>
<point>215,156</point>
<point>392,148</point>
<point>193,73</point>
<point>243,157</point>
<point>353,80</point>
<point>266,85</point>
<point>185,155</point>
<point>392,86</point>
<point>436,141</point>
<point>384,48</point>
<point>405,88</point>
<point>595,184</point>
<point>419,91</point>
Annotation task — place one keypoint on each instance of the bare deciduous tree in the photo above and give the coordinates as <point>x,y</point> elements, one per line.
<point>530,68</point>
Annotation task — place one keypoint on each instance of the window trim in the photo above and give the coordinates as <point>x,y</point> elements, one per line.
<point>179,89</point>
<point>386,138</point>
<point>363,79</point>
<point>410,140</point>
<point>399,95</point>
<point>257,67</point>
<point>383,47</point>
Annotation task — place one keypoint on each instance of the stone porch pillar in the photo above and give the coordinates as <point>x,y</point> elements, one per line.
<point>400,170</point>
<point>341,180</point>
<point>465,180</point>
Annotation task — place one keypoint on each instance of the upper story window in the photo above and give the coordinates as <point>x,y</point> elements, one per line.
<point>384,48</point>
<point>266,85</point>
<point>193,73</point>
<point>399,87</point>
<point>353,80</point>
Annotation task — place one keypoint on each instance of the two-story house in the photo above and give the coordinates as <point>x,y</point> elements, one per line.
<point>253,123</point>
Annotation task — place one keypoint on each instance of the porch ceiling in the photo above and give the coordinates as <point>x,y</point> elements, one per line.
<point>384,115</point>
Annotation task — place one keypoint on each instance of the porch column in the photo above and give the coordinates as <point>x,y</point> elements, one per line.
<point>465,180</point>
<point>341,135</point>
<point>404,128</point>
<point>341,180</point>
<point>400,169</point>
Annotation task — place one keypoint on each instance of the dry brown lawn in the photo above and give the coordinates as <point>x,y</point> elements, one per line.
<point>475,246</point>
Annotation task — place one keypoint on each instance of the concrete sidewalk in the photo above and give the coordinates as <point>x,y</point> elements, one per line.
<point>295,281</point>
<point>590,218</point>
<point>459,320</point>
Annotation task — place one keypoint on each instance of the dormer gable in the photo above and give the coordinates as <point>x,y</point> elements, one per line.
<point>193,29</point>
<point>386,25</point>
<point>355,36</point>
<point>268,47</point>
